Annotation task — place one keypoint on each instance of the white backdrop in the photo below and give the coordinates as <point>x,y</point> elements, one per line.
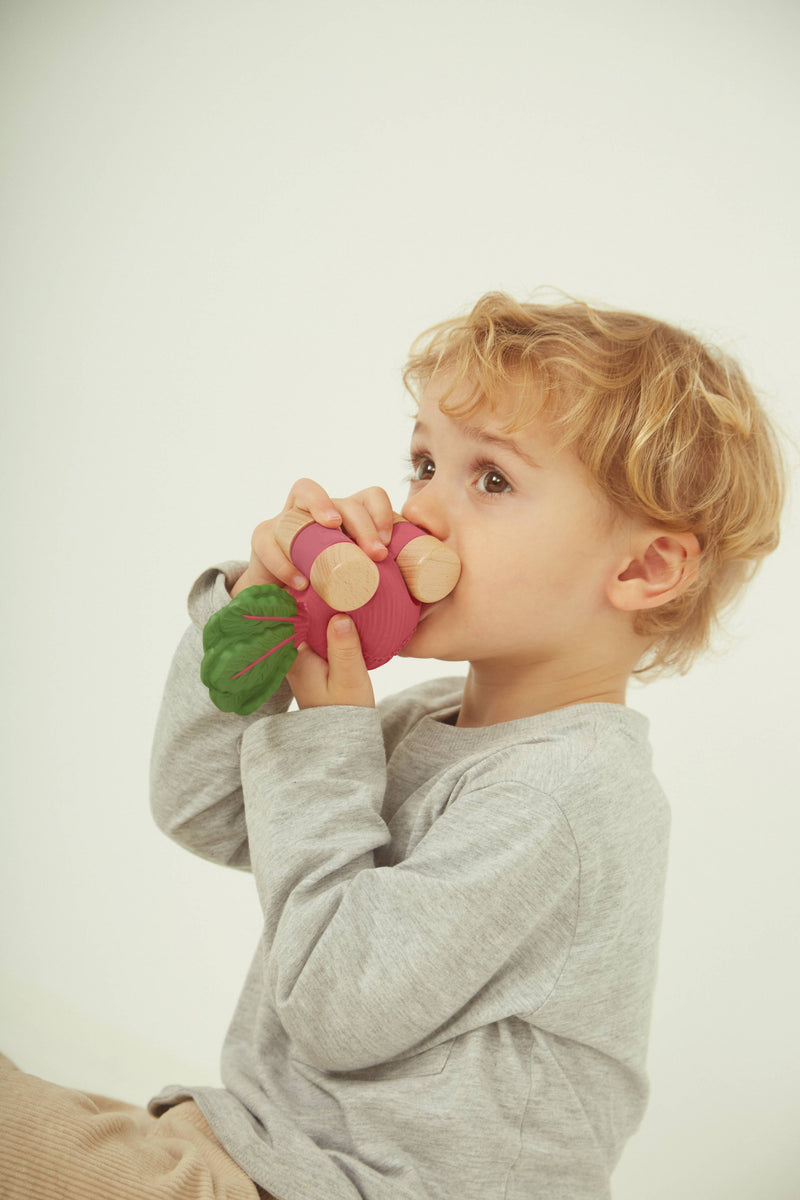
<point>222,225</point>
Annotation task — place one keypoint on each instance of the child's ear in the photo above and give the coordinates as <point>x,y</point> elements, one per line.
<point>658,568</point>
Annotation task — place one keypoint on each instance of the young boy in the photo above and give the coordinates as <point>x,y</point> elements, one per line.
<point>462,888</point>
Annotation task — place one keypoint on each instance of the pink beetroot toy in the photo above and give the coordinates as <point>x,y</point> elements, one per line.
<point>251,643</point>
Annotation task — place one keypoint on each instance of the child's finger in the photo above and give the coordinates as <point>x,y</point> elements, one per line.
<point>348,678</point>
<point>368,520</point>
<point>310,496</point>
<point>379,506</point>
<point>275,563</point>
<point>308,678</point>
<point>359,525</point>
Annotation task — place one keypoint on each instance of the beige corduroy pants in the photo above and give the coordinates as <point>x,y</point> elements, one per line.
<point>60,1144</point>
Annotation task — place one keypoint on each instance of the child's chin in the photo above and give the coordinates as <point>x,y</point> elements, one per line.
<point>409,651</point>
<point>421,647</point>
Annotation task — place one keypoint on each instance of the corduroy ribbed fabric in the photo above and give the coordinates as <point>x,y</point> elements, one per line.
<point>61,1144</point>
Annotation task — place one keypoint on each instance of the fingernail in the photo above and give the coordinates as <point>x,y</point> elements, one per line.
<point>386,536</point>
<point>342,625</point>
<point>299,582</point>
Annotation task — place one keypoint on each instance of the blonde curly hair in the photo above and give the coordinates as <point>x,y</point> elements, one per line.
<point>668,427</point>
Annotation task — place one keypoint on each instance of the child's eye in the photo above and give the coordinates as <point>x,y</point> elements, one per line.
<point>493,483</point>
<point>422,468</point>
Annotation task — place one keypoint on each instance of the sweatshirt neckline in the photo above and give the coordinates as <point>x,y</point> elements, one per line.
<point>434,726</point>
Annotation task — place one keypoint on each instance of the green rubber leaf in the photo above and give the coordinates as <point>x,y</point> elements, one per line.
<point>249,648</point>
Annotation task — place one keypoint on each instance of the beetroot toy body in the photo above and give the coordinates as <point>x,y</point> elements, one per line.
<point>251,643</point>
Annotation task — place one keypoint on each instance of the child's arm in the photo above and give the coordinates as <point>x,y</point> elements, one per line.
<point>195,779</point>
<point>366,962</point>
<point>196,793</point>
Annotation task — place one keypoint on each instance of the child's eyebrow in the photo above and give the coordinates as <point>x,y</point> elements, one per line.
<point>476,434</point>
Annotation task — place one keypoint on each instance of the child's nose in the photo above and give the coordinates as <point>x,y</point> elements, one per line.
<point>426,510</point>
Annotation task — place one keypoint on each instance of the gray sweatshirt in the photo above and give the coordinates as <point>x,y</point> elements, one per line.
<point>451,995</point>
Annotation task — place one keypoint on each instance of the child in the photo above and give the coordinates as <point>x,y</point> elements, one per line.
<point>462,888</point>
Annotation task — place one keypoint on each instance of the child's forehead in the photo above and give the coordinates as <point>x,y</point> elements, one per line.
<point>511,412</point>
<point>508,407</point>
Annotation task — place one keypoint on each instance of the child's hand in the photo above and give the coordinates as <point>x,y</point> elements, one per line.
<point>366,517</point>
<point>343,679</point>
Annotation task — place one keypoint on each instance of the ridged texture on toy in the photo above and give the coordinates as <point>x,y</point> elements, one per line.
<point>248,647</point>
<point>384,624</point>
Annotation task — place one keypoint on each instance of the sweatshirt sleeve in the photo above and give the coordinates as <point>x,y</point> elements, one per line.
<point>195,781</point>
<point>365,963</point>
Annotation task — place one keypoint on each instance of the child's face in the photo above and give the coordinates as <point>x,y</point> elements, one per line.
<point>536,541</point>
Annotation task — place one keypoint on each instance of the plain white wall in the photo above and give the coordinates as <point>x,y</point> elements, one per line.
<point>222,225</point>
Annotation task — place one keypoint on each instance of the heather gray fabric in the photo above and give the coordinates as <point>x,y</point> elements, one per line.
<point>452,992</point>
